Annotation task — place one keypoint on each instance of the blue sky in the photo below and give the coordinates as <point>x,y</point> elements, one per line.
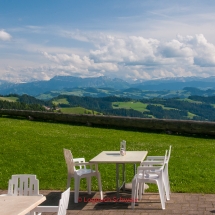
<point>128,39</point>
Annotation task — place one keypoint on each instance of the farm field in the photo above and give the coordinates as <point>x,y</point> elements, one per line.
<point>9,99</point>
<point>60,101</point>
<point>78,110</point>
<point>139,106</point>
<point>33,147</point>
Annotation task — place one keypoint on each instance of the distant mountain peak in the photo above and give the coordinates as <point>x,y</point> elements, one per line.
<point>70,82</point>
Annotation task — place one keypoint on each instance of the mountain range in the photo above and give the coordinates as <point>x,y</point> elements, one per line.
<point>69,83</point>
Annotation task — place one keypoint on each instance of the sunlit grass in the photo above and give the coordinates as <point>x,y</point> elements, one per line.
<point>34,147</point>
<point>191,115</point>
<point>60,101</point>
<point>77,110</point>
<point>138,106</point>
<point>9,99</point>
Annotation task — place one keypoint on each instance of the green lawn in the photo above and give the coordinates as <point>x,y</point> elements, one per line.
<point>33,147</point>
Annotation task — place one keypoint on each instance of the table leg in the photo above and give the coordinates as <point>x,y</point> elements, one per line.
<point>123,177</point>
<point>135,169</point>
<point>117,180</point>
<point>118,186</point>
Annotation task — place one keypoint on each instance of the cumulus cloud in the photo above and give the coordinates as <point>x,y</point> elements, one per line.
<point>204,52</point>
<point>130,57</point>
<point>141,58</point>
<point>81,65</point>
<point>4,35</point>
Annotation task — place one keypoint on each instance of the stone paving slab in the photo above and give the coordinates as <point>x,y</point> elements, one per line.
<point>179,204</point>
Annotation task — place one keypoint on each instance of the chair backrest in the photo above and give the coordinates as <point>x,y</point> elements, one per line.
<point>64,202</point>
<point>23,185</point>
<point>70,161</point>
<point>169,153</point>
<point>144,172</point>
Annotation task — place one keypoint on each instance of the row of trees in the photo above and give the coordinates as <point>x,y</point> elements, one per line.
<point>21,106</point>
<point>160,113</point>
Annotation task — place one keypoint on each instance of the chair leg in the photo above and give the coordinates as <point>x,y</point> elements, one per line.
<point>77,185</point>
<point>161,192</point>
<point>68,181</point>
<point>134,192</point>
<point>89,185</point>
<point>140,190</point>
<point>166,185</point>
<point>100,185</point>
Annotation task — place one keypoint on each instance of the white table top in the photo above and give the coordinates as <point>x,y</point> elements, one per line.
<point>19,205</point>
<point>115,157</point>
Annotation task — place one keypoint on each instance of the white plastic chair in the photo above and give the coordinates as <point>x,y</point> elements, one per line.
<point>81,172</point>
<point>148,174</point>
<point>165,159</point>
<point>23,185</point>
<point>61,209</point>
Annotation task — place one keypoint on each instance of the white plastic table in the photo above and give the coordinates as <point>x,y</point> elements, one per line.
<point>115,157</point>
<point>19,205</point>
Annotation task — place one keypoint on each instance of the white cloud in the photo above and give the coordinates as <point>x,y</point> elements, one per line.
<point>81,65</point>
<point>131,57</point>
<point>4,35</point>
<point>204,52</point>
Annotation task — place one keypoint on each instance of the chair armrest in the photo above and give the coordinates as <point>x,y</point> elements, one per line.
<point>82,164</point>
<point>152,168</point>
<point>155,157</point>
<point>150,163</point>
<point>88,164</point>
<point>40,209</point>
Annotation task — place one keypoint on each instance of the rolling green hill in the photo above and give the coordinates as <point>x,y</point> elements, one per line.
<point>190,108</point>
<point>33,147</point>
<point>133,93</point>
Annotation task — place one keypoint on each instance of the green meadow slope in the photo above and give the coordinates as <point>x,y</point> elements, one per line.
<point>32,147</point>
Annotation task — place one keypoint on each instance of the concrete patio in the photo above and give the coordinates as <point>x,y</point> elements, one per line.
<point>180,203</point>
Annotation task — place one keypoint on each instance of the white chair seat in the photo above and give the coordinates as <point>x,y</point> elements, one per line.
<point>84,171</point>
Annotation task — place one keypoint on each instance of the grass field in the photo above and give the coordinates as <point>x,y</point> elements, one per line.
<point>77,110</point>
<point>60,101</point>
<point>32,147</point>
<point>190,100</point>
<point>138,106</point>
<point>9,99</point>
